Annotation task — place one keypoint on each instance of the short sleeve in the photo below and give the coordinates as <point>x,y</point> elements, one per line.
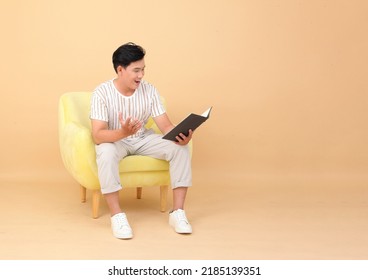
<point>98,108</point>
<point>157,105</point>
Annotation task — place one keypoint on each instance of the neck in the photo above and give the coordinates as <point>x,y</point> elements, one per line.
<point>122,89</point>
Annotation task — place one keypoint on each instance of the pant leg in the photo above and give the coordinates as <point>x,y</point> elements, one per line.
<point>108,156</point>
<point>178,156</point>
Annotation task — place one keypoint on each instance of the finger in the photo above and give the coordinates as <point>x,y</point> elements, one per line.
<point>134,124</point>
<point>138,124</point>
<point>128,121</point>
<point>179,138</point>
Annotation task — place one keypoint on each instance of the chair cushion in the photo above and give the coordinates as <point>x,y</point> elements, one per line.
<point>136,163</point>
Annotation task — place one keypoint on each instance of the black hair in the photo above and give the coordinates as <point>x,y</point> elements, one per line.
<point>127,54</point>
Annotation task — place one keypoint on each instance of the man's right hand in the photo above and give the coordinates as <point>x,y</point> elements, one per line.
<point>129,126</point>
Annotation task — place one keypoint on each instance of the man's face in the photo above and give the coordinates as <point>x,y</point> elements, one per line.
<point>133,74</point>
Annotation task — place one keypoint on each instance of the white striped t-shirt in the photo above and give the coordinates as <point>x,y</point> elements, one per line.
<point>107,103</point>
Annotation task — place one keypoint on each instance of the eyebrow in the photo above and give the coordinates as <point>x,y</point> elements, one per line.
<point>138,68</point>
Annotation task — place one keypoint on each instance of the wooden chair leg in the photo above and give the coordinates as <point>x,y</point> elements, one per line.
<point>83,194</point>
<point>163,198</point>
<point>95,203</point>
<point>139,192</point>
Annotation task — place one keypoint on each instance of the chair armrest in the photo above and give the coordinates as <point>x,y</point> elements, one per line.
<point>78,154</point>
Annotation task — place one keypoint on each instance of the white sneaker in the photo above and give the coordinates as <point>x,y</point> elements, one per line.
<point>120,226</point>
<point>179,221</point>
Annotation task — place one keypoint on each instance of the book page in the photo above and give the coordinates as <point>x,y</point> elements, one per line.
<point>207,113</point>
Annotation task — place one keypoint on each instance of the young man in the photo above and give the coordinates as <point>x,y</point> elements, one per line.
<point>120,109</point>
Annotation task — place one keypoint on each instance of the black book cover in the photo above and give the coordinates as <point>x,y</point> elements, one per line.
<point>191,122</point>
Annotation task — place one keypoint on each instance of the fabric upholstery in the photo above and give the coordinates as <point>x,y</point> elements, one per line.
<point>78,151</point>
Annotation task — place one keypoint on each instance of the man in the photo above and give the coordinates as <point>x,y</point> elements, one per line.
<point>120,109</point>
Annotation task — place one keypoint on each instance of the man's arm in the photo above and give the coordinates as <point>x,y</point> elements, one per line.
<point>101,133</point>
<point>165,125</point>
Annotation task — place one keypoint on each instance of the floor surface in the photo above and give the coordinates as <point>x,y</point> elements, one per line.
<point>235,216</point>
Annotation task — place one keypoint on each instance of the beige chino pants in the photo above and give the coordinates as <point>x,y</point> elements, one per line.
<point>108,156</point>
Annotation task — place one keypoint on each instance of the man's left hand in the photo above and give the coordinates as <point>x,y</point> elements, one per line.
<point>182,139</point>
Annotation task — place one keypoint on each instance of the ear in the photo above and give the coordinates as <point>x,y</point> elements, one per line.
<point>120,69</point>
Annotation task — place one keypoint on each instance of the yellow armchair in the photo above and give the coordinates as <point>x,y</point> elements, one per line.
<point>78,154</point>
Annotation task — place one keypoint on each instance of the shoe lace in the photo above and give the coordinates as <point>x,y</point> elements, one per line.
<point>181,216</point>
<point>122,221</point>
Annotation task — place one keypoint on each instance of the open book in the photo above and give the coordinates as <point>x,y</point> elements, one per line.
<point>190,122</point>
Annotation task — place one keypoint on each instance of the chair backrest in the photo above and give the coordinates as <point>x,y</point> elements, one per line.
<point>75,107</point>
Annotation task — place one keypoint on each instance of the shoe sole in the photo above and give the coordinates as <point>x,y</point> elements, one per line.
<point>178,230</point>
<point>183,232</point>
<point>128,236</point>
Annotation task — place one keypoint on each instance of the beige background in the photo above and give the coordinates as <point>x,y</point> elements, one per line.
<point>288,84</point>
